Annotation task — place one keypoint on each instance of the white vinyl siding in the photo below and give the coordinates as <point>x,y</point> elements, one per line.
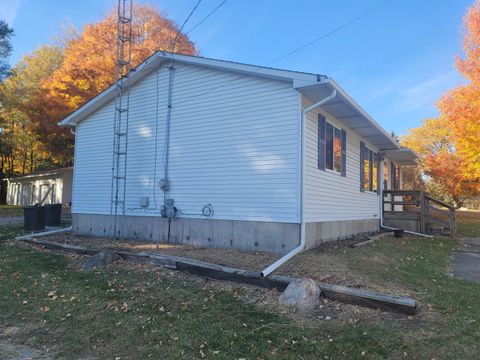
<point>234,144</point>
<point>329,197</point>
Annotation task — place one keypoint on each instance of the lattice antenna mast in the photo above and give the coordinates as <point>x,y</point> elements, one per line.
<point>120,128</point>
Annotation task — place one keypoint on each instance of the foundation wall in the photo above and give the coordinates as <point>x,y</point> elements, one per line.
<point>406,224</point>
<point>243,235</point>
<point>317,233</point>
<point>227,234</point>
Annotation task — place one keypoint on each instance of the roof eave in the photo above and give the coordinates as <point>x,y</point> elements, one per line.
<point>358,108</point>
<point>297,78</point>
<point>346,110</point>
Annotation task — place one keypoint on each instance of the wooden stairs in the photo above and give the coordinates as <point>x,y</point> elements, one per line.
<point>417,211</point>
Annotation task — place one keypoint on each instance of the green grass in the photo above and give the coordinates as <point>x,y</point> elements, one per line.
<point>468,227</point>
<point>10,211</point>
<point>87,316</point>
<point>167,317</point>
<point>10,231</point>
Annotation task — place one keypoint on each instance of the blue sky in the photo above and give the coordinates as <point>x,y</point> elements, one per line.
<point>395,63</point>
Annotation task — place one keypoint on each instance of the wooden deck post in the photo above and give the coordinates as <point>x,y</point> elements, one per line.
<point>453,222</point>
<point>422,213</point>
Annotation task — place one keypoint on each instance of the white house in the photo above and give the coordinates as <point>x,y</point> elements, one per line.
<point>46,187</point>
<point>256,158</point>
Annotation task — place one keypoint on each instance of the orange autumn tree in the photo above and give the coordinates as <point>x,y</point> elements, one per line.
<point>449,146</point>
<point>461,106</point>
<point>89,64</point>
<point>89,60</point>
<point>440,161</point>
<point>22,105</point>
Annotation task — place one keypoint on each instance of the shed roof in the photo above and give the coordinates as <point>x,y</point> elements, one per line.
<point>45,173</point>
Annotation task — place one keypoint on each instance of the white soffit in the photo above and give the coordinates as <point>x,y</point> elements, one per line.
<point>404,156</point>
<point>350,113</point>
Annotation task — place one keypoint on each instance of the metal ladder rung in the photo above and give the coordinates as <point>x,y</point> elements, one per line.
<point>124,19</point>
<point>121,110</point>
<point>119,177</point>
<point>124,38</point>
<point>120,152</point>
<point>120,134</point>
<point>123,62</point>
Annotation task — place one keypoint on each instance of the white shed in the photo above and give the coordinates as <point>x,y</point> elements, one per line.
<point>258,158</point>
<point>46,187</point>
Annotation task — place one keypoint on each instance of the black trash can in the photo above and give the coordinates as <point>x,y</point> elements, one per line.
<point>34,218</point>
<point>53,214</point>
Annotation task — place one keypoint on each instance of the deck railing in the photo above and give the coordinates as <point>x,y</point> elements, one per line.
<point>418,211</point>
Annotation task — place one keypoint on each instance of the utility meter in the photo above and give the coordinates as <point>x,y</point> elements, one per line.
<point>168,210</point>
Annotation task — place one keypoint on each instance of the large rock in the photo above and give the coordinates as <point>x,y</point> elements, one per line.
<point>304,294</point>
<point>100,260</point>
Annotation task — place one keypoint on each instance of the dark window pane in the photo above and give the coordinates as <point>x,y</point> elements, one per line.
<point>392,174</point>
<point>329,147</point>
<point>385,175</point>
<point>366,170</point>
<point>337,151</point>
<point>370,164</point>
<point>397,177</point>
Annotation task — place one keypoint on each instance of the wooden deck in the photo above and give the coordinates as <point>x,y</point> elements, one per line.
<point>417,211</point>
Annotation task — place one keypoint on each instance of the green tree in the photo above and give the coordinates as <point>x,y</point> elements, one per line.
<point>5,47</point>
<point>22,111</point>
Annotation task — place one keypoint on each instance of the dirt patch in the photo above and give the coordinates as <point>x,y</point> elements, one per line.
<point>255,261</point>
<point>324,263</point>
<point>267,300</point>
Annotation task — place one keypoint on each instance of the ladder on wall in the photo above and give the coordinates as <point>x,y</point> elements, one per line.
<point>120,127</point>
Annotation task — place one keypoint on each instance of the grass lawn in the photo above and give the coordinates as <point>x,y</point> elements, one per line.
<point>140,312</point>
<point>468,223</point>
<point>10,210</point>
<point>10,231</point>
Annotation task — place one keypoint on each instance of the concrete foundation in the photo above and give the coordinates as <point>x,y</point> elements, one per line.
<point>227,234</point>
<point>405,224</point>
<point>317,233</point>
<point>274,237</point>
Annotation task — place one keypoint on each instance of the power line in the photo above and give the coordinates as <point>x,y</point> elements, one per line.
<point>296,50</point>
<point>329,33</point>
<point>183,25</point>
<point>206,17</point>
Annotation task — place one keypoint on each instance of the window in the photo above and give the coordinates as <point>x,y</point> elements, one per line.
<point>332,147</point>
<point>368,169</point>
<point>385,175</point>
<point>333,153</point>
<point>337,151</point>
<point>329,145</point>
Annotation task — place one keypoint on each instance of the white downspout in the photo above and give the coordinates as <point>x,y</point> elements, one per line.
<point>271,268</point>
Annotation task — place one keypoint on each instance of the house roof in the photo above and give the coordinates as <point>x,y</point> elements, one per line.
<point>45,173</point>
<point>312,86</point>
<point>404,156</point>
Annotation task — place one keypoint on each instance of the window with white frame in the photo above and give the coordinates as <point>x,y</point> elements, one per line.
<point>369,163</point>
<point>332,145</point>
